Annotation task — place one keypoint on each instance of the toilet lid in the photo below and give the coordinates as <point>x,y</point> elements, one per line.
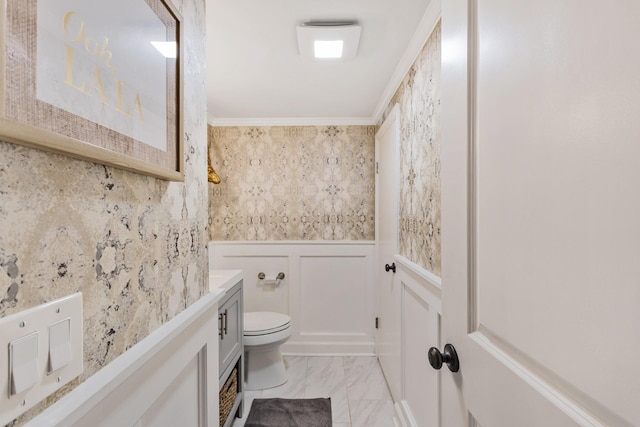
<point>264,322</point>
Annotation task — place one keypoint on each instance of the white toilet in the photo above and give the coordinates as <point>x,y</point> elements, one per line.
<point>264,333</point>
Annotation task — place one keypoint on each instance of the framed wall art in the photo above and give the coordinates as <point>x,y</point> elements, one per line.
<point>96,80</point>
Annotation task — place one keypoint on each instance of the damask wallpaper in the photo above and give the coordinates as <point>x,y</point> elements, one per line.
<point>292,183</point>
<point>419,100</point>
<point>135,246</point>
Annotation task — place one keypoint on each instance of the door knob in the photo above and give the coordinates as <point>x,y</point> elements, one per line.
<point>449,356</point>
<point>391,267</point>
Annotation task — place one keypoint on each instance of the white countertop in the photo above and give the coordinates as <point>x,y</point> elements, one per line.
<point>223,279</point>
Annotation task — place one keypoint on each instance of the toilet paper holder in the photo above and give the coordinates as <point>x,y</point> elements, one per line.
<point>277,278</point>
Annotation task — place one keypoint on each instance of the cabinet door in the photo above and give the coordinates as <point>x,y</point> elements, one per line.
<point>231,338</point>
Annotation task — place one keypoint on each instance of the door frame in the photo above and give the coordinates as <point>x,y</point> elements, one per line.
<point>390,124</point>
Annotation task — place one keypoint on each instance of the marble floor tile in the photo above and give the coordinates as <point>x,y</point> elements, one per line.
<point>296,366</point>
<point>365,380</point>
<point>356,386</point>
<point>325,378</point>
<point>371,413</point>
<point>339,402</point>
<point>292,389</point>
<point>325,375</point>
<point>297,378</point>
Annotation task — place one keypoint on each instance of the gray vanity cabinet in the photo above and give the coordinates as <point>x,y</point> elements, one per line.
<point>230,334</point>
<point>230,323</point>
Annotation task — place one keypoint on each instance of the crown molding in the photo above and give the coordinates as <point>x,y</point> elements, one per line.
<point>292,121</point>
<point>423,32</point>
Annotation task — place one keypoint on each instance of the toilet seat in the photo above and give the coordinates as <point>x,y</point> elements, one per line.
<point>264,323</point>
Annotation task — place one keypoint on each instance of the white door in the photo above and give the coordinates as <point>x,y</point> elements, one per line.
<point>388,336</point>
<point>541,212</point>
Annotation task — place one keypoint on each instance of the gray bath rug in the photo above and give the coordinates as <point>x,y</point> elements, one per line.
<point>290,413</point>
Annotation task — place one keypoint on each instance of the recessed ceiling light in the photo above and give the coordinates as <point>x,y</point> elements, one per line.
<point>328,40</point>
<point>328,48</point>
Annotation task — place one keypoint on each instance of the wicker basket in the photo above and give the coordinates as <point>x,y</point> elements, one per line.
<point>228,396</point>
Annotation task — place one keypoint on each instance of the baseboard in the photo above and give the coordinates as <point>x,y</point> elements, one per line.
<point>398,416</point>
<point>302,348</point>
<point>329,354</point>
<point>402,415</point>
<point>396,421</point>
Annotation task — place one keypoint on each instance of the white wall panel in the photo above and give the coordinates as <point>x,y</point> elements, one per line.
<point>178,405</point>
<point>420,324</point>
<point>420,311</point>
<point>328,290</point>
<point>332,291</point>
<point>260,295</point>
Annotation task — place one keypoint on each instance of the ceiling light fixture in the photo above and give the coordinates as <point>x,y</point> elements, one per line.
<point>328,48</point>
<point>321,40</point>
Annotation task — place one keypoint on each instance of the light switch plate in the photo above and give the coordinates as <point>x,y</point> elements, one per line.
<point>41,321</point>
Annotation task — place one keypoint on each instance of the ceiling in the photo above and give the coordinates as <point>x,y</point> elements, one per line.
<point>255,75</point>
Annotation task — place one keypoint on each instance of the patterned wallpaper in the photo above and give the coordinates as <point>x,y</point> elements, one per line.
<point>135,246</point>
<point>419,100</point>
<point>292,183</point>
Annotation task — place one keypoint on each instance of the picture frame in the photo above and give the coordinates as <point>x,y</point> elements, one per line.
<point>87,79</point>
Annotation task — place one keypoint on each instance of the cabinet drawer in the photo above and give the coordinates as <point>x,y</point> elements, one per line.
<point>230,330</point>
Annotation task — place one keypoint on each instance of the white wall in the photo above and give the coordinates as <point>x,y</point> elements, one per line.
<point>328,290</point>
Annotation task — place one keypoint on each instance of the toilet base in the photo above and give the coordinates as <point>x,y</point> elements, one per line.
<point>264,368</point>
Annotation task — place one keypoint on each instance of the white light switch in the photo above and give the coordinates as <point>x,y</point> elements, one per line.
<point>40,352</point>
<point>59,345</point>
<point>23,359</point>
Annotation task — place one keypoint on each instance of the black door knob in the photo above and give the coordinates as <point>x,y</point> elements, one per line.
<point>448,356</point>
<point>391,267</point>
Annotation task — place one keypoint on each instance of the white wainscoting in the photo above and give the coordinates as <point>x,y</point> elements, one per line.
<point>170,378</point>
<point>421,309</point>
<point>328,290</point>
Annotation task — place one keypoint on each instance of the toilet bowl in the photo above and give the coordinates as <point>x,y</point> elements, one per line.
<point>264,333</point>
